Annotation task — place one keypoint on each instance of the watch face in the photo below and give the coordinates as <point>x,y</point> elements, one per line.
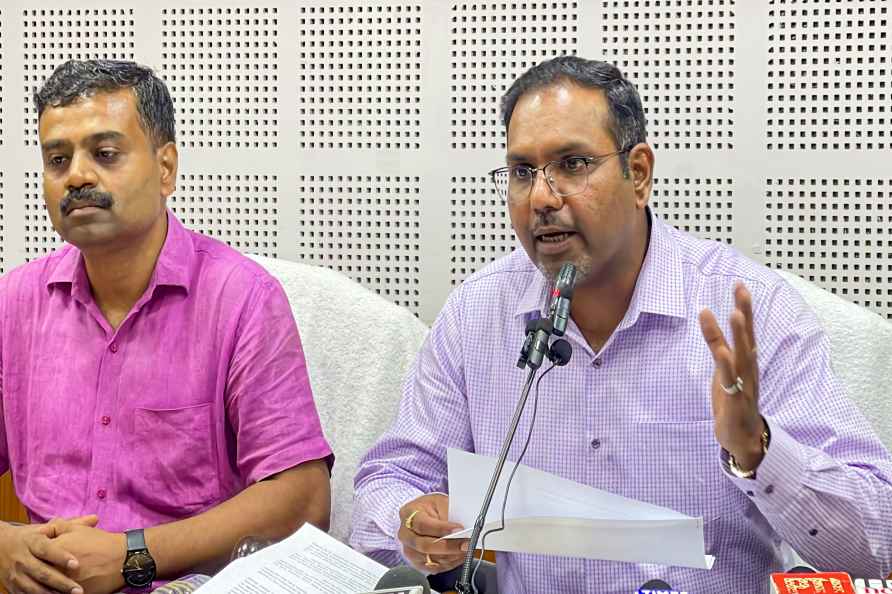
<point>139,569</point>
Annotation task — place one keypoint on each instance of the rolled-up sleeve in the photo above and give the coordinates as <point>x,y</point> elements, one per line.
<point>410,459</point>
<point>269,402</point>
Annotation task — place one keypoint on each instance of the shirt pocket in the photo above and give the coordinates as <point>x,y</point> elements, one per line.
<point>679,467</point>
<point>176,472</point>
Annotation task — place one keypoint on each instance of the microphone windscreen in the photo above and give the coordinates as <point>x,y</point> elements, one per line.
<point>401,577</point>
<point>561,351</point>
<point>654,585</point>
<point>566,280</point>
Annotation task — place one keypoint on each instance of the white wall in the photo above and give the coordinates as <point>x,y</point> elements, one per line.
<point>357,135</point>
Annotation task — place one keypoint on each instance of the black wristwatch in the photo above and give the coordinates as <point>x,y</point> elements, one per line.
<point>139,567</point>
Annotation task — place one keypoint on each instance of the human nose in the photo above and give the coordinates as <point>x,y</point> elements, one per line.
<point>80,172</point>
<point>542,196</point>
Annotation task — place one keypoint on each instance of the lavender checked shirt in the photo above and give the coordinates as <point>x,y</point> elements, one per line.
<point>636,419</point>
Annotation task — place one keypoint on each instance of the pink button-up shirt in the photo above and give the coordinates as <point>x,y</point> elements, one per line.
<point>201,391</point>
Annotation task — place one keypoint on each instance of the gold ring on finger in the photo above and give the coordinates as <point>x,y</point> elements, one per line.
<point>410,518</point>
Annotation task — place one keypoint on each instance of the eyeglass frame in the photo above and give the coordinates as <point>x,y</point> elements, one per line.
<point>589,160</point>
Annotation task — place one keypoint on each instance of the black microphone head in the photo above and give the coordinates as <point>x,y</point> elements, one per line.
<point>560,352</point>
<point>655,585</point>
<point>801,569</point>
<point>566,280</point>
<point>403,577</point>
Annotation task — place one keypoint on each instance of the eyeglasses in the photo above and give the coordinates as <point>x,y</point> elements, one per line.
<point>565,177</point>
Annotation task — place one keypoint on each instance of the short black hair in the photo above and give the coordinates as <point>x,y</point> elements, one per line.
<point>627,124</point>
<point>76,79</point>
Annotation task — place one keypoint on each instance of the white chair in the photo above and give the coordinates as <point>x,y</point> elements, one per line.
<point>861,349</point>
<point>359,347</point>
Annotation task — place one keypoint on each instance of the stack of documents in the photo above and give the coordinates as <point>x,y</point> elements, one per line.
<point>551,515</point>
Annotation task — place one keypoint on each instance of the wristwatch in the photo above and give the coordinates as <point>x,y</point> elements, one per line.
<point>139,566</point>
<point>748,474</point>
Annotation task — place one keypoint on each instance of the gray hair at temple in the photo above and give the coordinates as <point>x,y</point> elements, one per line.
<point>627,123</point>
<point>77,79</point>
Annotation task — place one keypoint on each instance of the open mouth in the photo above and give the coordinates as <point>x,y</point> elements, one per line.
<point>556,237</point>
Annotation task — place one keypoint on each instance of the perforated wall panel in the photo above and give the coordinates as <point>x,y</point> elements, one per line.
<point>360,76</point>
<point>480,229</point>
<point>700,206</point>
<point>55,35</point>
<point>367,227</point>
<point>221,65</point>
<point>490,44</point>
<point>680,54</point>
<point>356,134</point>
<point>829,75</point>
<point>40,237</point>
<point>241,210</point>
<point>836,233</point>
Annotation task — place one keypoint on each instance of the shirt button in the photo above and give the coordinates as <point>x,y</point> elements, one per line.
<point>106,420</point>
<point>596,444</point>
<point>813,532</point>
<point>750,494</point>
<point>113,347</point>
<point>597,362</point>
<point>100,493</point>
<point>769,489</point>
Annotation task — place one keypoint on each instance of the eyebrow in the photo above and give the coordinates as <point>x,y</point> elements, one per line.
<point>91,139</point>
<point>570,147</point>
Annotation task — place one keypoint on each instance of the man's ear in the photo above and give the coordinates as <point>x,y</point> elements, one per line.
<point>640,172</point>
<point>168,161</point>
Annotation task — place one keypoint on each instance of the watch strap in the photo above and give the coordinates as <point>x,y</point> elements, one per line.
<point>136,540</point>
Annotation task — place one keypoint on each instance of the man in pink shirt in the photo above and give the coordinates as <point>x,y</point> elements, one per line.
<point>152,379</point>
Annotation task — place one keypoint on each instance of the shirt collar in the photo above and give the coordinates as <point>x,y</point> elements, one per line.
<point>659,289</point>
<point>173,268</point>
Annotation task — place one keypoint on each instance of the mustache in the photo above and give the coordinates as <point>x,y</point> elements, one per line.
<point>547,219</point>
<point>81,197</point>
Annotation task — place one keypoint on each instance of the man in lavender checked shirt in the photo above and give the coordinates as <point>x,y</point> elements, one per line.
<point>151,379</point>
<point>742,423</point>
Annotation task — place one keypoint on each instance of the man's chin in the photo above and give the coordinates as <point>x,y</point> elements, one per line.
<point>88,235</point>
<point>551,268</point>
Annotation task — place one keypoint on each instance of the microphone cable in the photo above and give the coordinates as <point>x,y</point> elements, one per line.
<point>511,478</point>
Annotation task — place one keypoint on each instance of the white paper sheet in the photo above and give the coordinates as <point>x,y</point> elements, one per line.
<point>307,562</point>
<point>551,515</point>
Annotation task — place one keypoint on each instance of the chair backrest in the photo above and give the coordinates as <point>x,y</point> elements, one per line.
<point>861,347</point>
<point>359,347</point>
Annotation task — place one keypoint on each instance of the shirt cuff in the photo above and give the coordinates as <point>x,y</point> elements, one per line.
<point>779,477</point>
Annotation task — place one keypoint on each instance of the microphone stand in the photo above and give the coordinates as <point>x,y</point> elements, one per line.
<point>532,353</point>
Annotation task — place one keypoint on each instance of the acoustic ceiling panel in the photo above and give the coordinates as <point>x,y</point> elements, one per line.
<point>367,227</point>
<point>221,65</point>
<point>835,233</point>
<point>829,76</point>
<point>53,36</point>
<point>359,78</point>
<point>490,44</point>
<point>700,206</point>
<point>240,210</point>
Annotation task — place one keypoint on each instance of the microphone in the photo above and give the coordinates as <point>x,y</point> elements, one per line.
<point>539,331</point>
<point>657,587</point>
<point>535,348</point>
<point>559,311</point>
<point>811,582</point>
<point>402,580</point>
<point>560,352</point>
